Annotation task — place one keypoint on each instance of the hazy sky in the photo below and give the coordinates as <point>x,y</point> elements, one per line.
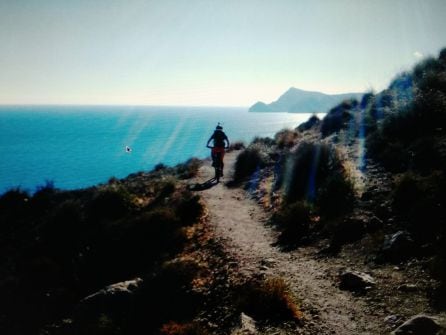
<point>207,52</point>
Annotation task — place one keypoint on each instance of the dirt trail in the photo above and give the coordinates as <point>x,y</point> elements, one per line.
<point>239,222</point>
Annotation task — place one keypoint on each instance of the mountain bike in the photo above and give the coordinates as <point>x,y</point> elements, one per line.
<point>217,163</point>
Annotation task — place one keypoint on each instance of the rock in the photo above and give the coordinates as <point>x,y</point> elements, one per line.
<point>391,319</point>
<point>355,281</point>
<point>247,326</point>
<point>397,247</point>
<point>269,262</point>
<point>113,299</point>
<point>418,325</point>
<point>408,287</point>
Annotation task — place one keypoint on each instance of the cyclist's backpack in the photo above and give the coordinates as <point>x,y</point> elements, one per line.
<point>219,139</point>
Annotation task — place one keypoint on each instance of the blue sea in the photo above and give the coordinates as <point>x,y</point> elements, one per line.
<point>79,146</point>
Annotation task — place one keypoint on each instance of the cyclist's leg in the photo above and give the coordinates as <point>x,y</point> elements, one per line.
<point>217,166</point>
<point>214,157</point>
<point>222,164</point>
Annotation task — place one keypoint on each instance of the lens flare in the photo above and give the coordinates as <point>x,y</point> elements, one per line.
<point>361,162</point>
<point>311,187</point>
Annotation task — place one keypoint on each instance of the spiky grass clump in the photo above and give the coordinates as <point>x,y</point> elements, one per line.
<point>269,300</point>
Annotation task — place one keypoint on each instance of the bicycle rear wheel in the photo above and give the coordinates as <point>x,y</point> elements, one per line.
<point>217,166</point>
<point>217,174</point>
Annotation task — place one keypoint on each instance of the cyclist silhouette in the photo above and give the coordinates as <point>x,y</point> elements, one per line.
<point>218,149</point>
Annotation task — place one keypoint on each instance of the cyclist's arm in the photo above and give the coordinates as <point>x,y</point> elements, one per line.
<point>227,141</point>
<point>209,140</point>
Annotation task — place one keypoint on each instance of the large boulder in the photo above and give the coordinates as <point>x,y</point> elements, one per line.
<point>397,247</point>
<point>419,325</point>
<point>355,281</point>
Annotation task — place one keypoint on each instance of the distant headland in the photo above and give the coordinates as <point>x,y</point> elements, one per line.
<point>300,101</point>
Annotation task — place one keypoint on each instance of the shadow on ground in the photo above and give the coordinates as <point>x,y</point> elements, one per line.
<point>203,186</point>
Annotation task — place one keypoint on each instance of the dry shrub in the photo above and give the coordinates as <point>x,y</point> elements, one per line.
<point>248,161</point>
<point>339,117</point>
<point>293,221</point>
<point>14,209</point>
<point>337,186</point>
<point>268,300</point>
<point>239,145</point>
<point>189,208</point>
<point>109,204</point>
<point>169,295</point>
<point>311,123</point>
<point>189,169</point>
<point>173,328</point>
<point>416,198</point>
<point>286,138</point>
<point>307,169</point>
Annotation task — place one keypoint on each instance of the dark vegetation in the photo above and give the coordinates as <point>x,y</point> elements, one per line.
<point>132,256</point>
<point>410,141</point>
<point>57,247</point>
<point>255,157</point>
<point>339,117</point>
<point>312,122</point>
<point>313,196</point>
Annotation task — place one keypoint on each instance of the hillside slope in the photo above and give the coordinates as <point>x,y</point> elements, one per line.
<point>241,224</point>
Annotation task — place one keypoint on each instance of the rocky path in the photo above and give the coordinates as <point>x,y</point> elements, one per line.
<point>240,223</point>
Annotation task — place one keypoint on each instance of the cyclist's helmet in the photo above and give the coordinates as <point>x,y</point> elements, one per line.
<point>219,127</point>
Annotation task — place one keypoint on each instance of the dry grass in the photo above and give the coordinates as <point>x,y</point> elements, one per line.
<point>173,328</point>
<point>269,300</point>
<point>286,138</point>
